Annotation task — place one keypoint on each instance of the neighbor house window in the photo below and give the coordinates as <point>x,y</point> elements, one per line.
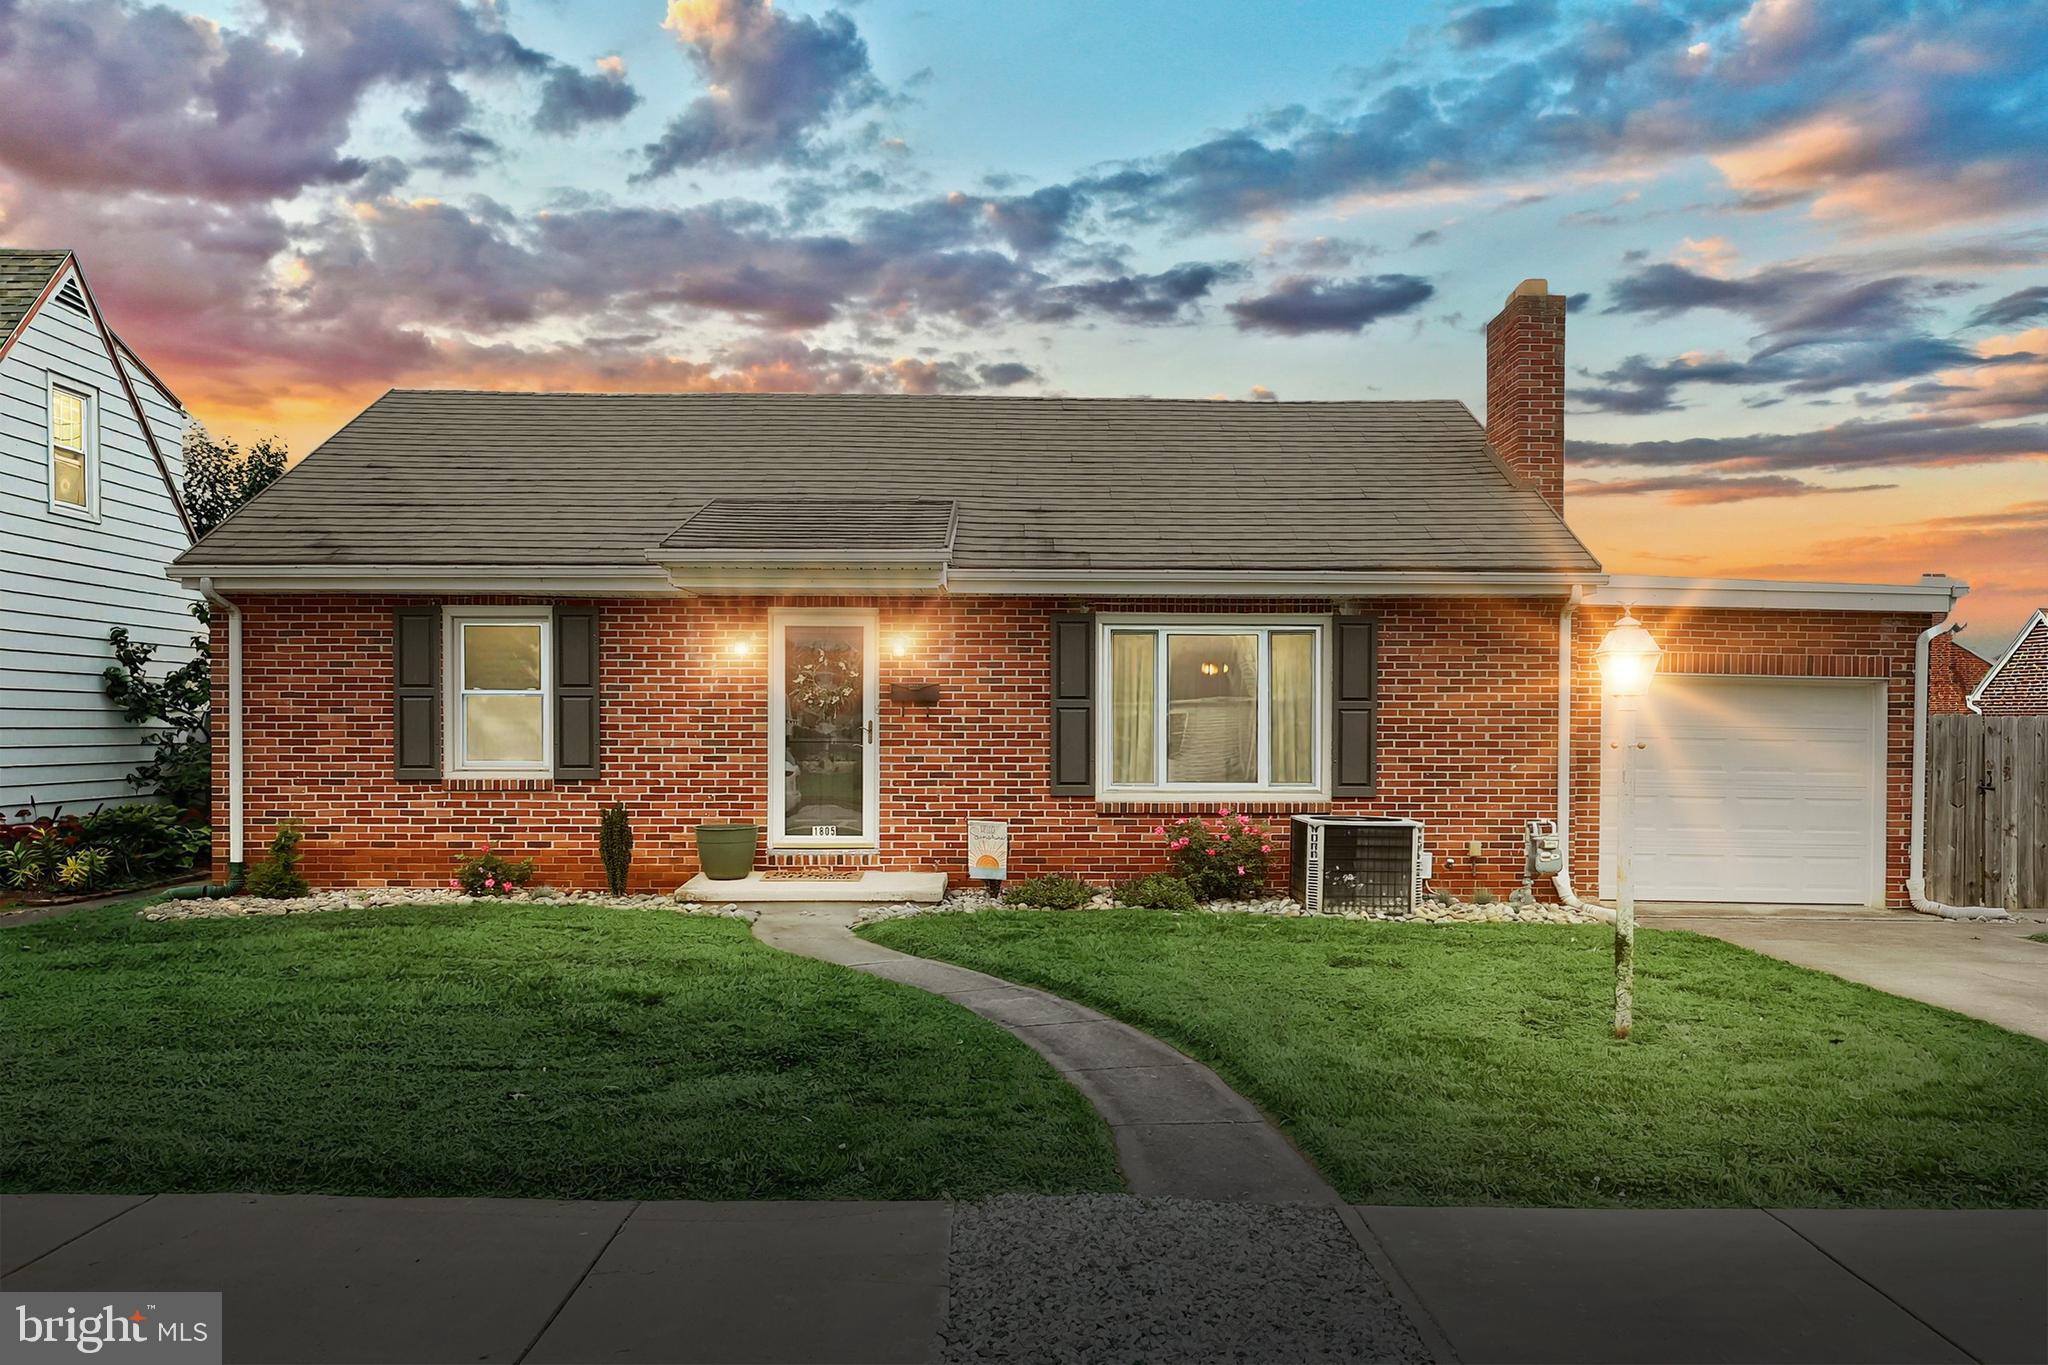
<point>498,677</point>
<point>71,450</point>
<point>1212,707</point>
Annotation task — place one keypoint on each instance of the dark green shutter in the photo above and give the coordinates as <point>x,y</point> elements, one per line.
<point>576,707</point>
<point>416,693</point>
<point>1356,705</point>
<point>1073,705</point>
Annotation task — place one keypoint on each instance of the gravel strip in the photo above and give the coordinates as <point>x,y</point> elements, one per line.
<point>393,897</point>
<point>1513,911</point>
<point>1111,1278</point>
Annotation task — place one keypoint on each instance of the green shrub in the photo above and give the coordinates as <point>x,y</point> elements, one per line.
<point>615,846</point>
<point>277,877</point>
<point>1049,893</point>
<point>1481,896</point>
<point>146,840</point>
<point>492,874</point>
<point>1157,891</point>
<point>1220,859</point>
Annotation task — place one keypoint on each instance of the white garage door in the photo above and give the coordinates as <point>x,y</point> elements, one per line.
<point>1758,790</point>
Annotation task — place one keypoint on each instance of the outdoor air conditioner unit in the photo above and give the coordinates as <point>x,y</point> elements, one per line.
<point>1357,864</point>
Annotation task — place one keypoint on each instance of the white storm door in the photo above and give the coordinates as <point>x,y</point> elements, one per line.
<point>823,757</point>
<point>1758,790</point>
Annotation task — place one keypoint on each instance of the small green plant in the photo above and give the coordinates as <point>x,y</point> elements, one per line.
<point>277,877</point>
<point>1049,893</point>
<point>85,870</point>
<point>1439,896</point>
<point>491,874</point>
<point>1481,896</point>
<point>615,846</point>
<point>21,866</point>
<point>1220,859</point>
<point>1156,891</point>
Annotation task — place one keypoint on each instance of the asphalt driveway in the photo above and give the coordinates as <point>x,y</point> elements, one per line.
<point>1986,969</point>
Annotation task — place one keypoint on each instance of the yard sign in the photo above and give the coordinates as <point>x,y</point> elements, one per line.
<point>988,849</point>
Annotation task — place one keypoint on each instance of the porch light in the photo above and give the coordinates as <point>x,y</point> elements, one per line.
<point>740,648</point>
<point>899,646</point>
<point>1628,657</point>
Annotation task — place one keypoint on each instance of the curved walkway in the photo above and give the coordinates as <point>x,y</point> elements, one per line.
<point>1179,1129</point>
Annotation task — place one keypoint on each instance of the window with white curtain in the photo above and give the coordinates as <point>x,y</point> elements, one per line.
<point>498,679</point>
<point>1214,707</point>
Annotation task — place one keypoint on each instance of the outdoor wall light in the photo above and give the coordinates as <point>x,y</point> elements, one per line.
<point>899,646</point>
<point>740,648</point>
<point>1628,657</point>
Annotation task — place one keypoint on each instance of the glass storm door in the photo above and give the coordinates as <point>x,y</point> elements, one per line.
<point>822,774</point>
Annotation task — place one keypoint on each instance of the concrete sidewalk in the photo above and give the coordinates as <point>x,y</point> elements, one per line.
<point>1983,968</point>
<point>313,1278</point>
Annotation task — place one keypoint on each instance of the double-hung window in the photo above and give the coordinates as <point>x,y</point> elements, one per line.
<point>1212,707</point>
<point>73,437</point>
<point>498,665</point>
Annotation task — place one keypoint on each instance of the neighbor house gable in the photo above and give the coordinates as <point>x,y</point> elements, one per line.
<point>2017,685</point>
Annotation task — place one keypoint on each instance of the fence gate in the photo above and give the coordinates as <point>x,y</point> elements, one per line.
<point>1987,811</point>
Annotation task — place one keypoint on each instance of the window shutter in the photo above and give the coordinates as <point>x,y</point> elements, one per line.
<point>1073,705</point>
<point>575,701</point>
<point>416,693</point>
<point>1356,705</point>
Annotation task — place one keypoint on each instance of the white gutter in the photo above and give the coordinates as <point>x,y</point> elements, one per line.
<point>1107,582</point>
<point>1916,856</point>
<point>1563,880</point>
<point>235,860</point>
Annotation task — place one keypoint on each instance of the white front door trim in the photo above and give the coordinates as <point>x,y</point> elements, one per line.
<point>870,621</point>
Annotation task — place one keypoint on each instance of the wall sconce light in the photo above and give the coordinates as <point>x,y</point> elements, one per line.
<point>899,646</point>
<point>740,648</point>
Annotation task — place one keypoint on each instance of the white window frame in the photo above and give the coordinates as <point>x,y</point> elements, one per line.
<point>89,431</point>
<point>869,619</point>
<point>454,733</point>
<point>1166,625</point>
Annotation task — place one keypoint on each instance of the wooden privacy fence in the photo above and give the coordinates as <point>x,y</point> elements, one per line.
<point>1987,811</point>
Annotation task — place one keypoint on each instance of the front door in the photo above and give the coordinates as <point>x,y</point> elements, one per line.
<point>822,769</point>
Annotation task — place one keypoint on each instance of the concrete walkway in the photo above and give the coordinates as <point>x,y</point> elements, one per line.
<point>1180,1131</point>
<point>313,1278</point>
<point>1986,969</point>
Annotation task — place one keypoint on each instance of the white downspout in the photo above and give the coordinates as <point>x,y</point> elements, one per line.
<point>1916,854</point>
<point>1563,880</point>
<point>235,859</point>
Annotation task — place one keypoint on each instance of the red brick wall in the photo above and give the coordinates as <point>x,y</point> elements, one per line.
<point>1467,740</point>
<point>1953,672</point>
<point>1525,390</point>
<point>1837,644</point>
<point>1467,734</point>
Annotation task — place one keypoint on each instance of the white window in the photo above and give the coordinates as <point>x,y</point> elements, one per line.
<point>498,680</point>
<point>1213,707</point>
<point>74,440</point>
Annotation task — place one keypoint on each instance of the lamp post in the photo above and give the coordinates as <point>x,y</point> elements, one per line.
<point>1628,660</point>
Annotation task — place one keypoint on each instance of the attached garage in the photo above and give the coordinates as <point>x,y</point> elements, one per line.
<point>1756,790</point>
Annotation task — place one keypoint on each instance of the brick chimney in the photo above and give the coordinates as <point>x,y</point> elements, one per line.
<point>1525,387</point>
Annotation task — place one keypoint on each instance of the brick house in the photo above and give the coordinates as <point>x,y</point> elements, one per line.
<point>1953,672</point>
<point>2017,685</point>
<point>470,620</point>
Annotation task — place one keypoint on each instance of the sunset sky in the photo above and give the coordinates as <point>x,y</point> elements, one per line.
<point>1807,242</point>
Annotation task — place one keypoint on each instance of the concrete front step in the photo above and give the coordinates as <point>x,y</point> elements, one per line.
<point>926,888</point>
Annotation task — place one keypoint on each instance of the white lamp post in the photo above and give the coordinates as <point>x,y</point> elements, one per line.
<point>1628,660</point>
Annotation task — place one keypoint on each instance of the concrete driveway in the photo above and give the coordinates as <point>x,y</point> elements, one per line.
<point>1986,969</point>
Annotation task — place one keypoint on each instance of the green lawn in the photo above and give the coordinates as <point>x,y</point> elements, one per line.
<point>2038,938</point>
<point>1472,1063</point>
<point>580,1052</point>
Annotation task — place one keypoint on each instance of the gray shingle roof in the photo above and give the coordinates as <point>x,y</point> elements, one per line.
<point>445,478</point>
<point>801,525</point>
<point>23,273</point>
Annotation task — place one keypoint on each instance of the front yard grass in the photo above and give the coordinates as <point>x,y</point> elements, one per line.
<point>1472,1063</point>
<point>506,1050</point>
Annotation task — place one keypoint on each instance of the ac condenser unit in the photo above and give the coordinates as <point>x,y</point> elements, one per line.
<point>1357,864</point>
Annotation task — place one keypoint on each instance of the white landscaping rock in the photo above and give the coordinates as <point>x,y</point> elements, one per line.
<point>393,897</point>
<point>1428,912</point>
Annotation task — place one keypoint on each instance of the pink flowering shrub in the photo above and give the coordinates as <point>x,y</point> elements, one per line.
<point>491,874</point>
<point>1220,857</point>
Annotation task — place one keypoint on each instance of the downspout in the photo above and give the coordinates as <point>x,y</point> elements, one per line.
<point>1563,880</point>
<point>236,866</point>
<point>1916,853</point>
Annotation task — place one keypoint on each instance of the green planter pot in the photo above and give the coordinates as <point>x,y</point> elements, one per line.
<point>726,852</point>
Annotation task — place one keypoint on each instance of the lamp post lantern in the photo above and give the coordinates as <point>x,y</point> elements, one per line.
<point>1628,661</point>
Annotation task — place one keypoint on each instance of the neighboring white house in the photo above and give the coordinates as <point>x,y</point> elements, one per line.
<point>90,462</point>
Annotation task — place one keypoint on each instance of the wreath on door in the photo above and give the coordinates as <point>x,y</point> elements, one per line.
<point>822,679</point>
